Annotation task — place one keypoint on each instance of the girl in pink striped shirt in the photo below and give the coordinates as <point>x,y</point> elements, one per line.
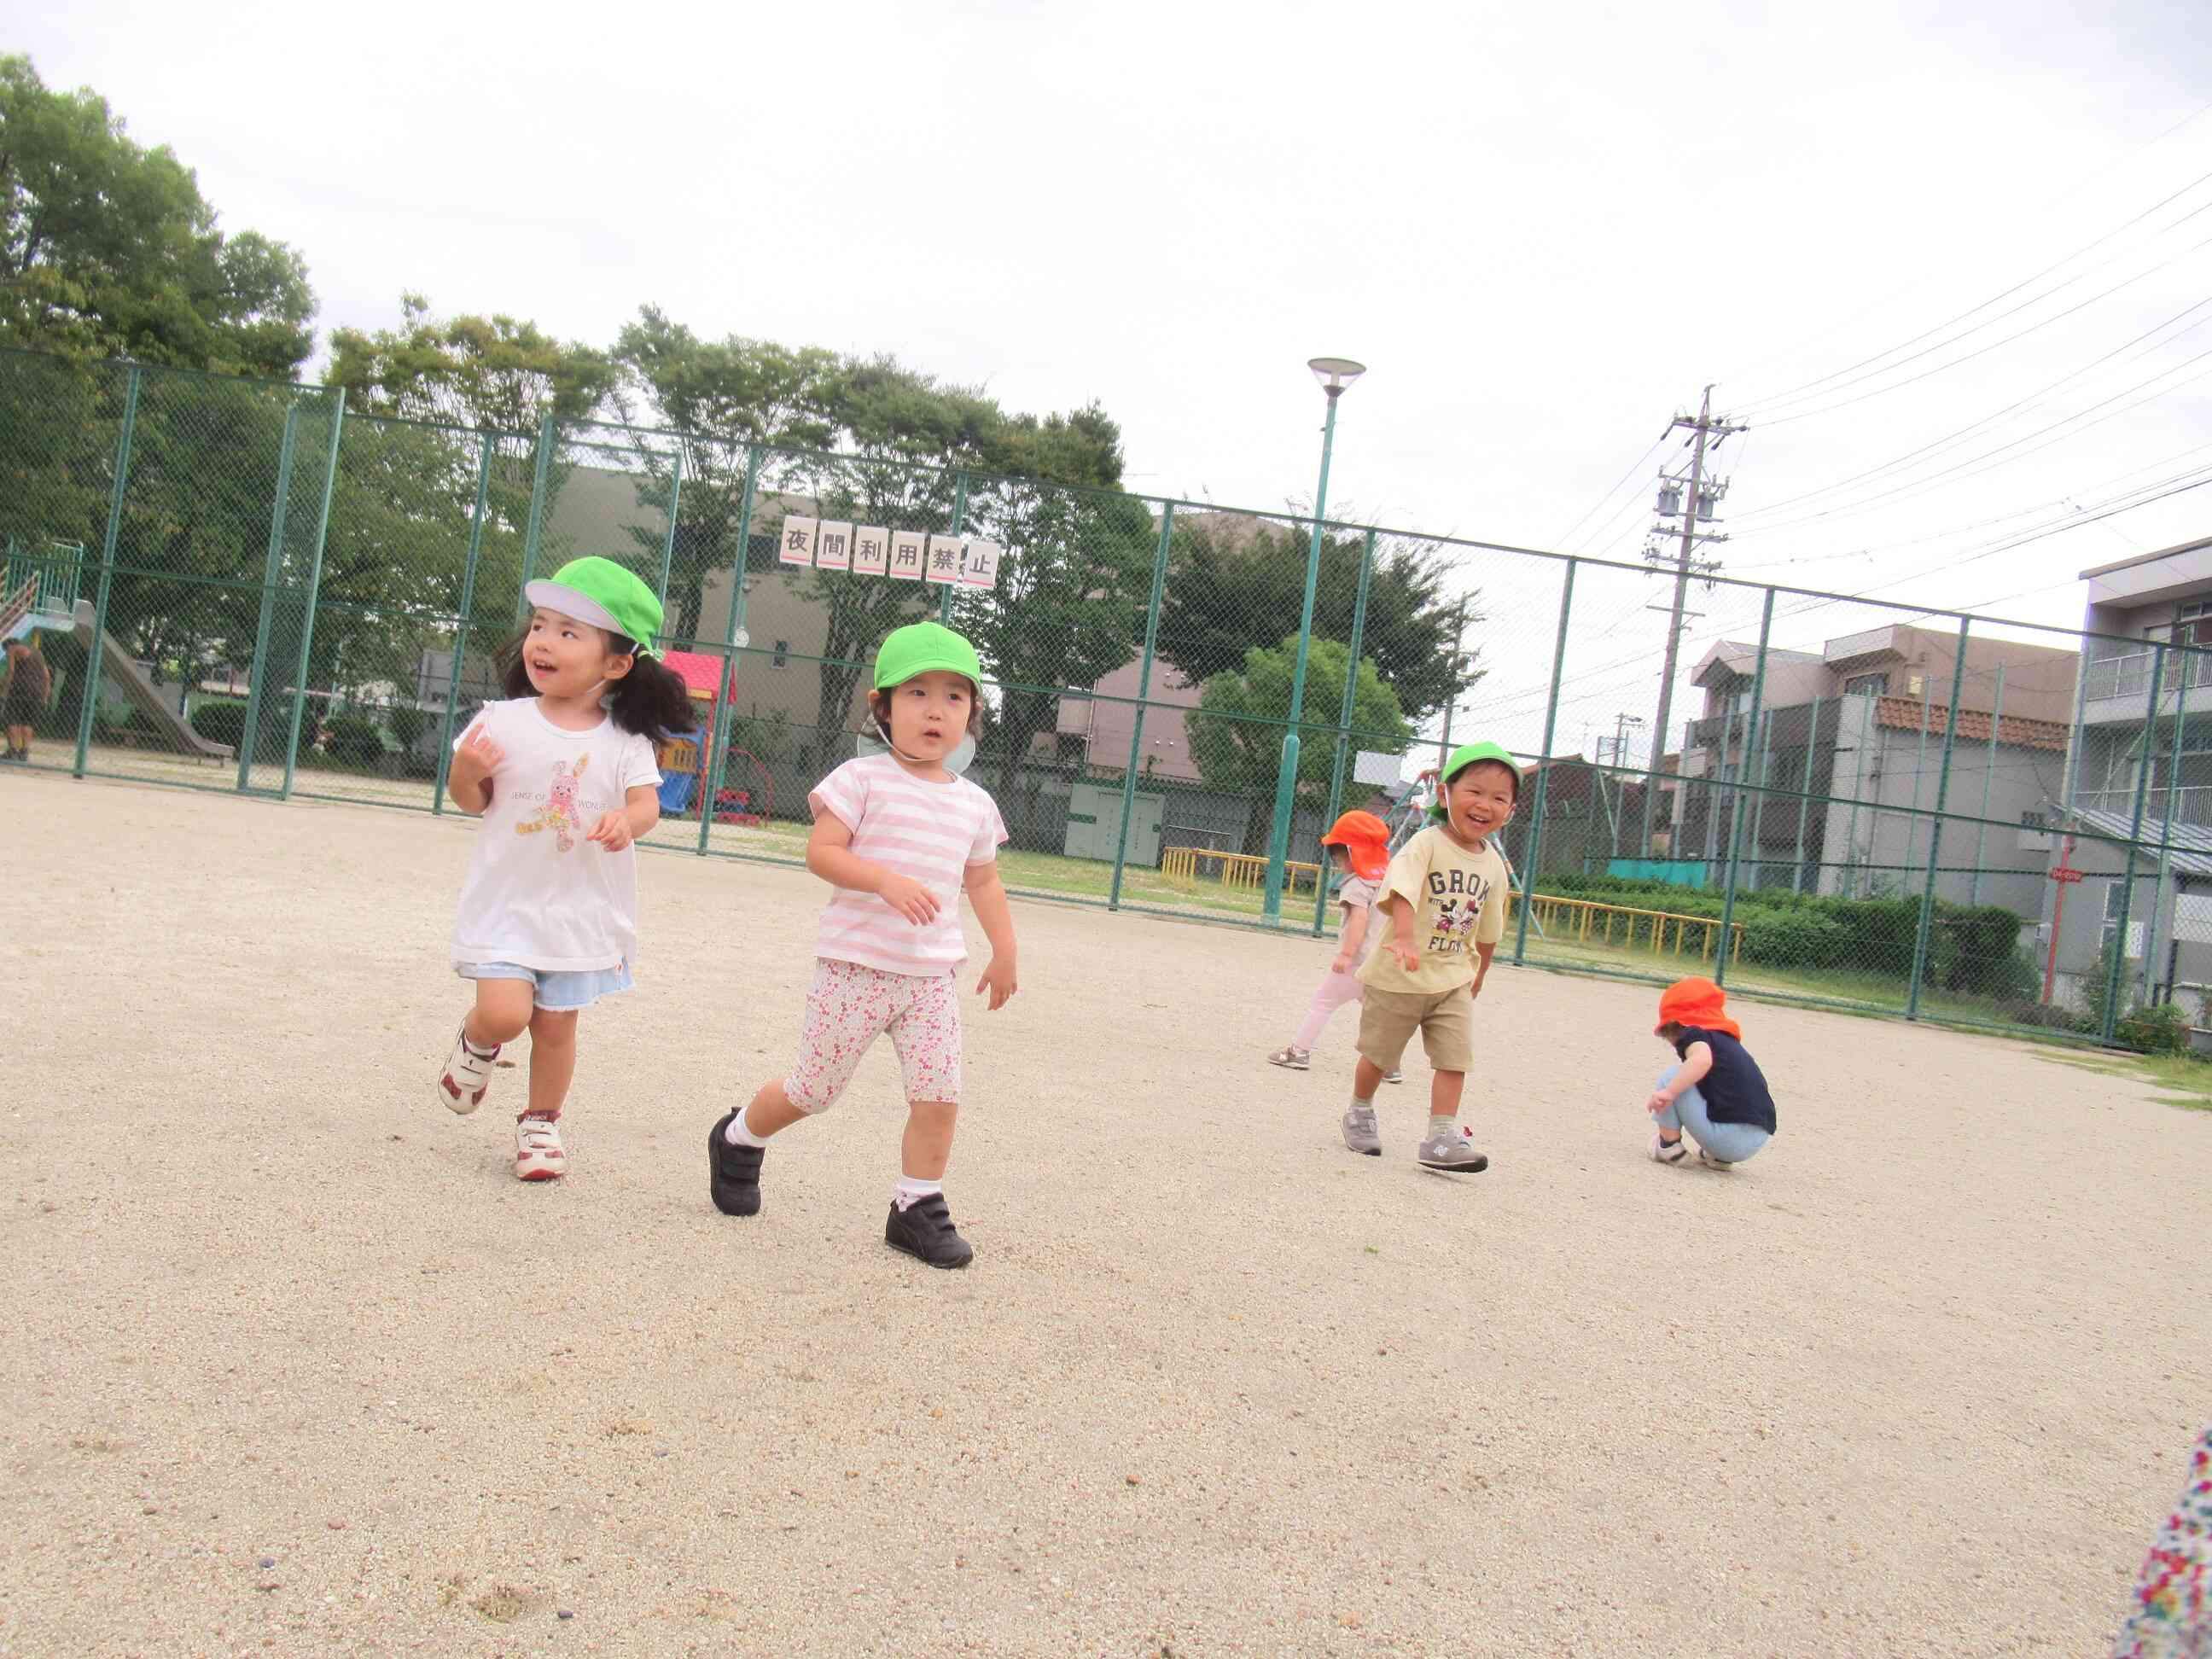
<point>898,836</point>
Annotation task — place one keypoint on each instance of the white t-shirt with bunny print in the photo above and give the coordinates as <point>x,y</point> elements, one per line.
<point>538,894</point>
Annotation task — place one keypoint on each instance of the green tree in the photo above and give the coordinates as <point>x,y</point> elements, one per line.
<point>1234,583</point>
<point>495,372</point>
<point>874,442</point>
<point>1236,731</point>
<point>406,496</point>
<point>107,248</point>
<point>712,399</point>
<point>1068,608</point>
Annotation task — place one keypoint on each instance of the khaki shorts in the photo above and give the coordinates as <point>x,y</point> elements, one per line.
<point>1388,1020</point>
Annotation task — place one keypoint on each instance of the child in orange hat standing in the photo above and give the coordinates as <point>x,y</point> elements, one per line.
<point>1718,1093</point>
<point>1359,847</point>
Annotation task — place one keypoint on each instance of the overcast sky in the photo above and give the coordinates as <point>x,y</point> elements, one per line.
<point>1543,227</point>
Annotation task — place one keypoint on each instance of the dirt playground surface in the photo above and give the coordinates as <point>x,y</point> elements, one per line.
<point>291,1363</point>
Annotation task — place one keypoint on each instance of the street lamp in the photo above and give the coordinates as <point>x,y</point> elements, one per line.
<point>1334,374</point>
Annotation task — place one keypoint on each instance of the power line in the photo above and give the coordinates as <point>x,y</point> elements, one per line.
<point>1961,530</point>
<point>1917,485</point>
<point>1994,345</point>
<point>1635,467</point>
<point>1793,391</point>
<point>2004,545</point>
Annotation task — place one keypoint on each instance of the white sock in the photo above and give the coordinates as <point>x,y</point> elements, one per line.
<point>740,1132</point>
<point>470,1043</point>
<point>906,1192</point>
<point>1442,1126</point>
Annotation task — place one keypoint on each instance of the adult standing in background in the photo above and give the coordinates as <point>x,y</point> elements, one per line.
<point>23,690</point>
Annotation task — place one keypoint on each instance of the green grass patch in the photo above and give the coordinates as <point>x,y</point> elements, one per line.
<point>2184,1080</point>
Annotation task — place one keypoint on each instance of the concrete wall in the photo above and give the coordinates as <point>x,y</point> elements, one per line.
<point>1870,847</point>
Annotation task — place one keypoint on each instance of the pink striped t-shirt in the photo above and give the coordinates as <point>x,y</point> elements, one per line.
<point>931,832</point>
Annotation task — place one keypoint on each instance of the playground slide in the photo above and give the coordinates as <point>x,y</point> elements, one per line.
<point>143,694</point>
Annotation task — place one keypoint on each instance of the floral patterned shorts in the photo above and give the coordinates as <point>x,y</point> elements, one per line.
<point>849,1006</point>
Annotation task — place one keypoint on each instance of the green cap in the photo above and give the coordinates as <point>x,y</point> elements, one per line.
<point>605,594</point>
<point>921,646</point>
<point>1464,756</point>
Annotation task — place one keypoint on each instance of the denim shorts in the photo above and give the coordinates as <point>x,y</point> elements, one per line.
<point>555,991</point>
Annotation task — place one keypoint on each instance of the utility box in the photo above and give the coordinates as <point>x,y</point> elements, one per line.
<point>1094,824</point>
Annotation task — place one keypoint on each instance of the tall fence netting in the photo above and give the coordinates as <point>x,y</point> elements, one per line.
<point>248,587</point>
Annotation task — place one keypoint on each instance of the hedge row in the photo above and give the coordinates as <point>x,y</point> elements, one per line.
<point>1972,948</point>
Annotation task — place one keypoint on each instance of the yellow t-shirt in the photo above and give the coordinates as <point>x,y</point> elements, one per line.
<point>1459,900</point>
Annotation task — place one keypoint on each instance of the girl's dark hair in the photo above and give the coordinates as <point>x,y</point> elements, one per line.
<point>651,700</point>
<point>880,703</point>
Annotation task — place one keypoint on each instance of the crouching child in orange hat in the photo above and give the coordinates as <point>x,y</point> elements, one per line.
<point>1359,851</point>
<point>1717,1094</point>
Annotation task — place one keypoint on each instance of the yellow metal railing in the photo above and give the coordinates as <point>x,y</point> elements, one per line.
<point>1236,869</point>
<point>1585,921</point>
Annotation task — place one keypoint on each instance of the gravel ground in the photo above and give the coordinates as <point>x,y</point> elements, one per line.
<point>294,1364</point>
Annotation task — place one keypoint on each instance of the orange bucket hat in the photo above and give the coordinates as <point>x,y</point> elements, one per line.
<point>1367,839</point>
<point>1697,1002</point>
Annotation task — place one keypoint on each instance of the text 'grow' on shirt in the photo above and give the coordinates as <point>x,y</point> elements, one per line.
<point>1458,896</point>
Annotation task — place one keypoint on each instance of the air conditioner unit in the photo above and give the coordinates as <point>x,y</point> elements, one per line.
<point>1914,684</point>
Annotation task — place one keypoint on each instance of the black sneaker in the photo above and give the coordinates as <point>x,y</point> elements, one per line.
<point>924,1229</point>
<point>733,1172</point>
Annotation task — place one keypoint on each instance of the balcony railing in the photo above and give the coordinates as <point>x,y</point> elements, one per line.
<point>2189,805</point>
<point>2124,676</point>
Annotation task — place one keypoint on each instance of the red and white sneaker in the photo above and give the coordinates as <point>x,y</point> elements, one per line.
<point>461,1085</point>
<point>538,1155</point>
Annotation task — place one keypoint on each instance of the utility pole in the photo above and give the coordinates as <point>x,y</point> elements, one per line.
<point>1459,661</point>
<point>1695,508</point>
<point>1609,783</point>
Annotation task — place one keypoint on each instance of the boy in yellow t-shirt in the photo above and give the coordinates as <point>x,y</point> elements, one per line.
<point>1444,901</point>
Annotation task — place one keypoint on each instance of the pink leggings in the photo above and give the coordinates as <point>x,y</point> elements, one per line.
<point>1334,991</point>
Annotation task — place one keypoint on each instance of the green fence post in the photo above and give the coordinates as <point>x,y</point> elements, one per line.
<point>959,524</point>
<point>1735,812</point>
<point>461,631</point>
<point>734,639</point>
<point>1758,806</point>
<point>2111,1015</point>
<point>1805,803</point>
<point>1144,690</point>
<point>1344,726</point>
<point>96,650</point>
<point>314,592</point>
<point>272,570</point>
<point>2154,957</point>
<point>1919,767</point>
<point>1989,777</point>
<point>547,440</point>
<point>1543,772</point>
<point>668,542</point>
<point>1935,821</point>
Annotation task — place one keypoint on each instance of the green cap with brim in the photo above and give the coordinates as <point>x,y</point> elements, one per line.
<point>1464,756</point>
<point>920,647</point>
<point>603,593</point>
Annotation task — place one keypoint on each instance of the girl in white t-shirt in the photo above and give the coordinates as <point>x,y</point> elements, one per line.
<point>1359,849</point>
<point>564,775</point>
<point>898,836</point>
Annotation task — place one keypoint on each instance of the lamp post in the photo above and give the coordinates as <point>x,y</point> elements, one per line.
<point>1334,374</point>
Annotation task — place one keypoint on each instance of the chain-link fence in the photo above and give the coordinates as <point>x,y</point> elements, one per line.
<point>243,585</point>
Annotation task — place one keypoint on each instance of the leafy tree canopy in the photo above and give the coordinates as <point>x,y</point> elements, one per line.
<point>107,248</point>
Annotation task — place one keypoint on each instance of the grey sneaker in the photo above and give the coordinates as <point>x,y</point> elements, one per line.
<point>1712,1162</point>
<point>1297,1059</point>
<point>1454,1149</point>
<point>1360,1133</point>
<point>1394,1077</point>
